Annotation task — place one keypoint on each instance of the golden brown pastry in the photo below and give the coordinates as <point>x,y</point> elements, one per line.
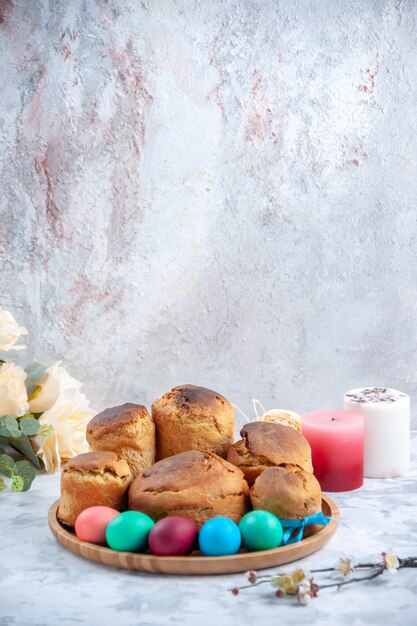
<point>92,479</point>
<point>287,494</point>
<point>197,485</point>
<point>129,431</point>
<point>192,418</point>
<point>265,444</point>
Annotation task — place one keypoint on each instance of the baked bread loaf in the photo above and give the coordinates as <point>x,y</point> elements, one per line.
<point>266,444</point>
<point>129,431</point>
<point>93,479</point>
<point>192,418</point>
<point>288,494</point>
<point>197,485</point>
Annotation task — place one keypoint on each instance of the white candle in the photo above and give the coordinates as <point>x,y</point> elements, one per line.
<point>386,414</point>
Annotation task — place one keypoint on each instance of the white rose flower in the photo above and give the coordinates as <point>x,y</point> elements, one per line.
<point>10,332</point>
<point>54,381</point>
<point>13,395</point>
<point>69,417</point>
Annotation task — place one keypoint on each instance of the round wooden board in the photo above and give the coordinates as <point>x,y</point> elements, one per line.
<point>196,563</point>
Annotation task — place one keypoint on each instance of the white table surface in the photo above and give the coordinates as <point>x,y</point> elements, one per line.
<point>42,584</point>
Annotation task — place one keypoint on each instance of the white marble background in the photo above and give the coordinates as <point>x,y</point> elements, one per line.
<point>217,192</point>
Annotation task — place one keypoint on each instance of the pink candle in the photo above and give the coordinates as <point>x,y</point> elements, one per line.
<point>336,440</point>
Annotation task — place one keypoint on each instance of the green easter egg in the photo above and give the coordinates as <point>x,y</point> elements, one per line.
<point>128,532</point>
<point>260,530</point>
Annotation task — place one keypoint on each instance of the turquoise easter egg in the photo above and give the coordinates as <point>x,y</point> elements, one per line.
<point>261,530</point>
<point>219,536</point>
<point>129,531</point>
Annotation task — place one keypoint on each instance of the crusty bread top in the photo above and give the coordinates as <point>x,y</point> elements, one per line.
<point>99,462</point>
<point>126,416</point>
<point>191,399</point>
<point>192,469</point>
<point>290,494</point>
<point>274,444</point>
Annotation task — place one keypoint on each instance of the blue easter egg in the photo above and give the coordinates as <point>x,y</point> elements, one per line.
<point>219,536</point>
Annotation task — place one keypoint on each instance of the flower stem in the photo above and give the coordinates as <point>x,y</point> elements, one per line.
<point>354,580</point>
<point>325,569</point>
<point>410,561</point>
<point>258,582</point>
<point>373,570</point>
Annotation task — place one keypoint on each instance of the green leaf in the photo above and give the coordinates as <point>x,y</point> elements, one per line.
<point>24,446</point>
<point>29,426</point>
<point>26,472</point>
<point>17,483</point>
<point>9,426</point>
<point>2,485</point>
<point>35,371</point>
<point>6,465</point>
<point>6,459</point>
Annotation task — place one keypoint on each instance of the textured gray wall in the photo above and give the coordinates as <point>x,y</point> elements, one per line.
<point>213,192</point>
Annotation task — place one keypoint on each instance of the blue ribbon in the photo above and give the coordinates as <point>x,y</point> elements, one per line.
<point>294,528</point>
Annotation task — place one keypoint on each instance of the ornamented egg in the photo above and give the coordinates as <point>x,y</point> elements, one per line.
<point>91,523</point>
<point>219,536</point>
<point>261,530</point>
<point>173,536</point>
<point>129,531</point>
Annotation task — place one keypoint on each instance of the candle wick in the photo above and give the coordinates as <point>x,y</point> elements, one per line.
<point>333,419</point>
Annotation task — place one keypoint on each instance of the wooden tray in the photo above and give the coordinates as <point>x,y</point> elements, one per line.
<point>196,563</point>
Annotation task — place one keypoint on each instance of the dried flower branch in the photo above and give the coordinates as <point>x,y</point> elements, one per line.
<point>301,584</point>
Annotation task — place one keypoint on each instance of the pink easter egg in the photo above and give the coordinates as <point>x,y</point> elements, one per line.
<point>91,523</point>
